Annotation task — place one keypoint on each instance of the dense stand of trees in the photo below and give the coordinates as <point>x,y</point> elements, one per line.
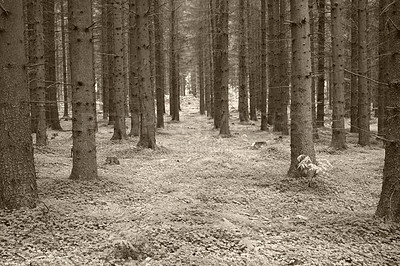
<point>270,57</point>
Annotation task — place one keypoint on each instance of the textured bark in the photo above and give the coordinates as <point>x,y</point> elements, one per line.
<point>147,126</point>
<point>313,66</point>
<point>64,62</point>
<point>173,74</point>
<point>84,165</point>
<point>134,103</point>
<point>209,67</point>
<point>118,73</point>
<point>104,58</point>
<point>243,91</point>
<point>389,203</point>
<point>281,114</point>
<point>354,68</point>
<point>17,171</point>
<point>363,95</point>
<point>321,64</point>
<point>301,140</point>
<point>252,28</point>
<point>338,130</point>
<point>223,24</point>
<point>52,117</point>
<point>111,63</point>
<point>383,67</point>
<point>159,63</point>
<point>217,54</point>
<point>263,104</point>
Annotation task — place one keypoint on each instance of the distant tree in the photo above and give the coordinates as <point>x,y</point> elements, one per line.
<point>17,171</point>
<point>147,108</point>
<point>301,140</point>
<point>389,203</point>
<point>321,64</point>
<point>84,165</point>
<point>338,130</point>
<point>159,62</point>
<point>118,75</point>
<point>243,90</point>
<point>363,95</point>
<point>52,117</point>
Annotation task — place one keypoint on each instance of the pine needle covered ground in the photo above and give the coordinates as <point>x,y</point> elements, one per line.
<point>202,200</point>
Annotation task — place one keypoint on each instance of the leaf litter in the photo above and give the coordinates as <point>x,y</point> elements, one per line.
<point>202,200</point>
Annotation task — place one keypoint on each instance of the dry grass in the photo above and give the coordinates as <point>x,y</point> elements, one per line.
<point>202,200</point>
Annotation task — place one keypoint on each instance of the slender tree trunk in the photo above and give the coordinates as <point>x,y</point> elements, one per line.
<point>313,57</point>
<point>174,74</point>
<point>17,170</point>
<point>217,52</point>
<point>118,73</point>
<point>52,117</point>
<point>243,91</point>
<point>147,108</point>
<point>264,119</point>
<point>105,57</point>
<point>64,62</point>
<point>224,20</point>
<point>111,63</point>
<point>159,62</point>
<point>338,131</point>
<point>363,96</point>
<point>200,63</point>
<point>389,203</point>
<point>383,67</point>
<point>354,68</point>
<point>252,50</point>
<point>321,65</point>
<point>134,102</point>
<point>281,117</point>
<point>301,140</point>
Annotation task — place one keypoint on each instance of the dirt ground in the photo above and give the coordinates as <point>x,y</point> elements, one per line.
<point>202,200</point>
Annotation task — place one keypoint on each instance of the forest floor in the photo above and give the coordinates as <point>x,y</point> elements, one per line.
<point>200,199</point>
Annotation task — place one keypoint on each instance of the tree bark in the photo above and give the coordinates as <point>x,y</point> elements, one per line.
<point>17,170</point>
<point>147,108</point>
<point>321,65</point>
<point>84,164</point>
<point>383,67</point>
<point>363,95</point>
<point>338,130</point>
<point>159,63</point>
<point>243,91</point>
<point>389,203</point>
<point>64,63</point>
<point>301,140</point>
<point>105,58</point>
<point>354,68</point>
<point>252,51</point>
<point>263,100</point>
<point>173,75</point>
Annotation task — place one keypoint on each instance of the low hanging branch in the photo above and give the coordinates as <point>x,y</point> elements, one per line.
<point>367,78</point>
<point>4,9</point>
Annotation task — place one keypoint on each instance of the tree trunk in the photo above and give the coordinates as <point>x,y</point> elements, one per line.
<point>105,57</point>
<point>252,50</point>
<point>321,65</point>
<point>383,67</point>
<point>64,62</point>
<point>338,131</point>
<point>389,203</point>
<point>118,73</point>
<point>363,96</point>
<point>281,116</point>
<point>243,91</point>
<point>134,102</point>
<point>263,103</point>
<point>173,76</point>
<point>84,165</point>
<point>224,39</point>
<point>147,126</point>
<point>17,170</point>
<point>159,62</point>
<point>200,63</point>
<point>217,53</point>
<point>301,140</point>
<point>354,68</point>
<point>52,117</point>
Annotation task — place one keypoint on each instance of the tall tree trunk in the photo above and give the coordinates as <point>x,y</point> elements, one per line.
<point>17,170</point>
<point>134,102</point>
<point>338,131</point>
<point>223,25</point>
<point>159,63</point>
<point>263,106</point>
<point>118,73</point>
<point>173,76</point>
<point>383,67</point>
<point>217,53</point>
<point>389,203</point>
<point>354,68</point>
<point>64,62</point>
<point>111,63</point>
<point>252,50</point>
<point>200,63</point>
<point>84,165</point>
<point>281,117</point>
<point>52,117</point>
<point>105,57</point>
<point>321,65</point>
<point>147,108</point>
<point>363,95</point>
<point>243,91</point>
<point>301,140</point>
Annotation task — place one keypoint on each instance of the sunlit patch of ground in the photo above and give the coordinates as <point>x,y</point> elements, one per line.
<point>202,200</point>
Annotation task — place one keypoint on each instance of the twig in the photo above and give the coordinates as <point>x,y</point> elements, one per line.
<point>367,78</point>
